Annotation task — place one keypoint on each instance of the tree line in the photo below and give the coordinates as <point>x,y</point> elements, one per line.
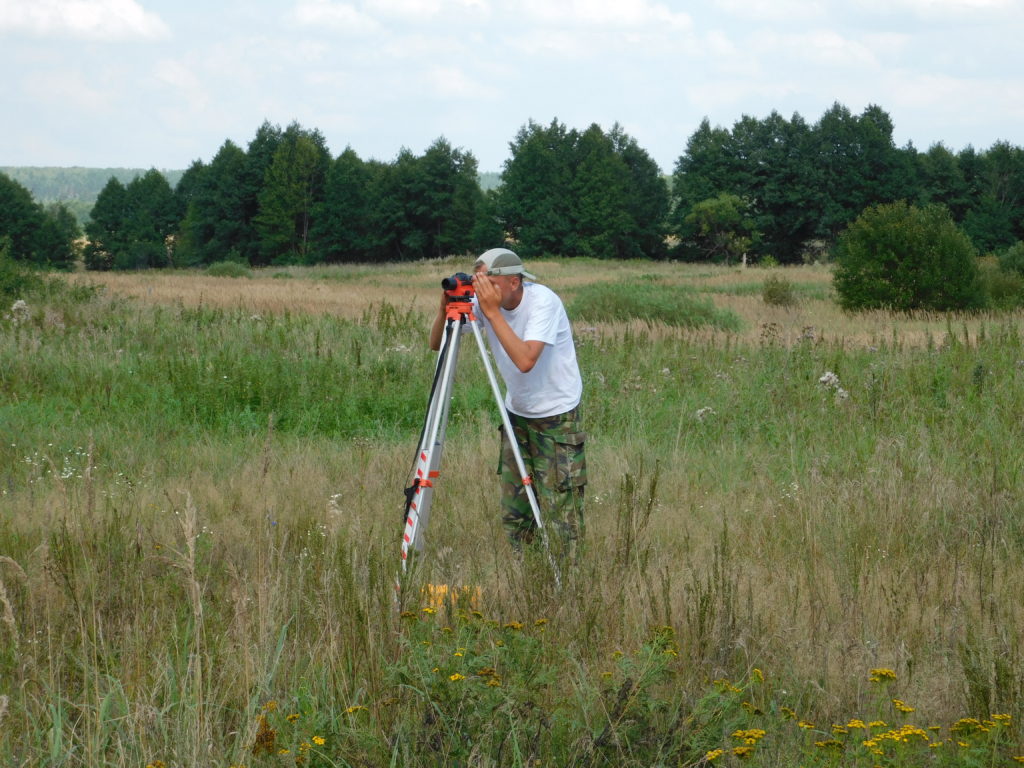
<point>766,188</point>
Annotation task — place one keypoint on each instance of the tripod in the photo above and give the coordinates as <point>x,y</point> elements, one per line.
<point>459,312</point>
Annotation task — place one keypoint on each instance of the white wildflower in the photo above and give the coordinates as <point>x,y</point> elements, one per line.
<point>334,505</point>
<point>19,312</point>
<point>829,379</point>
<point>704,413</point>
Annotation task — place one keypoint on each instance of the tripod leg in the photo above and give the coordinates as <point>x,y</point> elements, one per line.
<point>428,454</point>
<point>514,444</point>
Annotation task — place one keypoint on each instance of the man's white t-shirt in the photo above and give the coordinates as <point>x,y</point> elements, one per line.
<point>554,384</point>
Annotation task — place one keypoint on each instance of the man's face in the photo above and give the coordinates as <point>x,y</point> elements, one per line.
<point>506,284</point>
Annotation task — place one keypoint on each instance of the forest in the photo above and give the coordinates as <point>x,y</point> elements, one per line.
<point>770,188</point>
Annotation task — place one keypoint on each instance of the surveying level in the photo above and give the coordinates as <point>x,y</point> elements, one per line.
<point>418,496</point>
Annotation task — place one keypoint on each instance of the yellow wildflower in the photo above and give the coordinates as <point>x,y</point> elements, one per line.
<point>270,706</point>
<point>319,740</point>
<point>354,708</point>
<point>788,713</point>
<point>514,625</point>
<point>757,675</point>
<point>292,717</point>
<point>839,730</point>
<point>1018,758</point>
<point>713,755</point>
<point>540,622</point>
<point>829,744</point>
<point>856,723</point>
<point>430,611</point>
<point>882,675</point>
<point>877,724</point>
<point>805,724</point>
<point>1002,719</point>
<point>901,706</point>
<point>743,752</point>
<point>456,677</point>
<point>494,682</point>
<point>749,736</point>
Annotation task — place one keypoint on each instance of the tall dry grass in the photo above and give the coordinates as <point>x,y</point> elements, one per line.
<point>170,568</point>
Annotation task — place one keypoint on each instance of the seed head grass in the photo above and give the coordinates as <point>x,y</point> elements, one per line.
<point>201,495</point>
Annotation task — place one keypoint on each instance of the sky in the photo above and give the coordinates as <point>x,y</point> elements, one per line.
<point>162,83</point>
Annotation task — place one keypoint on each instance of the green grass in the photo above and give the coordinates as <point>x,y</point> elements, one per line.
<point>199,525</point>
<point>813,291</point>
<point>647,300</point>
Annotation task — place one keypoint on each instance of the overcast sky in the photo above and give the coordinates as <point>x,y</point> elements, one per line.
<point>160,83</point>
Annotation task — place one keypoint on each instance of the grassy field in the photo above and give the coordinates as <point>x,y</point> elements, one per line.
<point>201,495</point>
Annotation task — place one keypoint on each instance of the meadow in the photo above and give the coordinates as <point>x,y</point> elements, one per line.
<point>804,530</point>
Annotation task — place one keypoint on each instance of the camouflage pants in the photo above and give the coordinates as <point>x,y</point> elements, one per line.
<point>553,454</point>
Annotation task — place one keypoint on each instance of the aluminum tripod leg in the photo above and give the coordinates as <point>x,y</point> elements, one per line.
<point>524,476</point>
<point>428,456</point>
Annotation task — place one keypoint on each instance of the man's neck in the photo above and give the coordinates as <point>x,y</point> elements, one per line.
<point>514,300</point>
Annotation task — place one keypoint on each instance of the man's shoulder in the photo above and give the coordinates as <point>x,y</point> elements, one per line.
<point>541,294</point>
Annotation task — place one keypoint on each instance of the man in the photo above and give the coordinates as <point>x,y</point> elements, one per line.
<point>531,340</point>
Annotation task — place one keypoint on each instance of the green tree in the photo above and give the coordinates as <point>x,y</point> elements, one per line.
<point>534,202</point>
<point>106,227</point>
<point>591,194</point>
<point>396,234</point>
<point>719,228</point>
<point>995,218</point>
<point>703,171</point>
<point>446,198</point>
<point>151,217</point>
<point>130,226</point>
<point>341,226</point>
<point>941,180</point>
<point>901,257</point>
<point>34,234</point>
<point>600,178</point>
<point>859,164</point>
<point>215,227</point>
<point>57,235</point>
<point>646,198</point>
<point>293,186</point>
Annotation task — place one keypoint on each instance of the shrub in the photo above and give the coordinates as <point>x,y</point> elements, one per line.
<point>1003,287</point>
<point>1012,259</point>
<point>901,257</point>
<point>651,302</point>
<point>228,269</point>
<point>778,291</point>
<point>16,280</point>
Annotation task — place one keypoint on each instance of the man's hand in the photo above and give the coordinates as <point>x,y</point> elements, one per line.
<point>487,294</point>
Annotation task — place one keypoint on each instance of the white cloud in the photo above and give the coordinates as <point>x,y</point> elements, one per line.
<point>412,10</point>
<point>828,48</point>
<point>70,91</point>
<point>89,19</point>
<point>788,11</point>
<point>615,14</point>
<point>452,82</point>
<point>338,16</point>
<point>184,82</point>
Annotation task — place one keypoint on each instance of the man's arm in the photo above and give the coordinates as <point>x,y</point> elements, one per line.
<point>523,354</point>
